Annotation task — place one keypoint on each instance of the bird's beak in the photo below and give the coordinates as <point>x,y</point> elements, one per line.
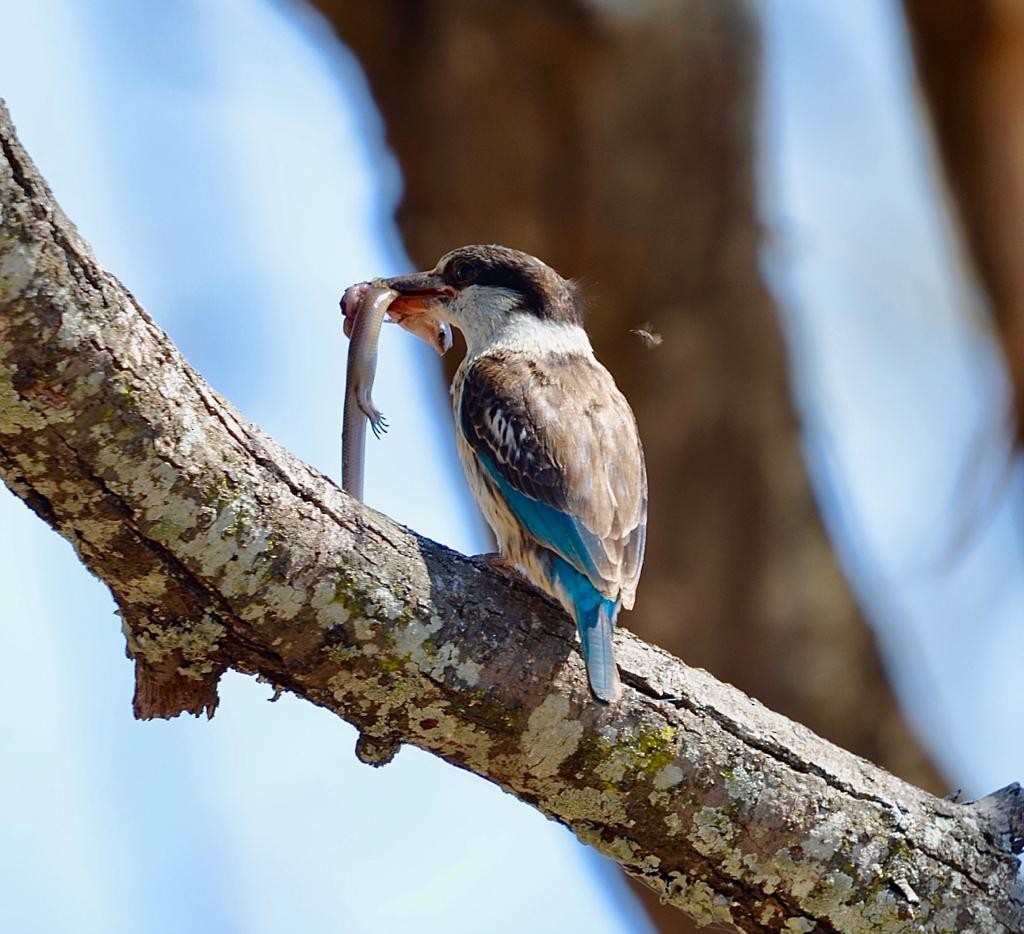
<point>419,293</point>
<point>419,307</point>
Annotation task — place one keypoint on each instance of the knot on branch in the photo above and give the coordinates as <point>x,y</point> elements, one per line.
<point>377,750</point>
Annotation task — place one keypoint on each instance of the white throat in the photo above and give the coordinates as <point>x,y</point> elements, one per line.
<point>500,325</point>
<point>529,334</point>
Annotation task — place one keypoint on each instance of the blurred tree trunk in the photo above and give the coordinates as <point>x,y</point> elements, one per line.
<point>617,141</point>
<point>970,59</point>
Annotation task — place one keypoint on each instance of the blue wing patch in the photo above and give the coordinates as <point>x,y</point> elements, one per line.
<point>554,529</point>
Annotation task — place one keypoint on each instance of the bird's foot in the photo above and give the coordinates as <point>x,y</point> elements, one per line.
<point>501,564</point>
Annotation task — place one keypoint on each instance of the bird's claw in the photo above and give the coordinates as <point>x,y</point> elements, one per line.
<point>502,565</point>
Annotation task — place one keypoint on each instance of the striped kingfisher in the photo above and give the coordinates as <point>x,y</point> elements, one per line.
<point>548,443</point>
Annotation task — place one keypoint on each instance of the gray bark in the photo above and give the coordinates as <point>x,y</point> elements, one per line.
<point>223,550</point>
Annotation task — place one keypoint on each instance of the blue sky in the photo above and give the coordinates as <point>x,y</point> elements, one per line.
<point>225,162</point>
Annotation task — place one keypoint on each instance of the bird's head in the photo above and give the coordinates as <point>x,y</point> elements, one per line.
<point>490,293</point>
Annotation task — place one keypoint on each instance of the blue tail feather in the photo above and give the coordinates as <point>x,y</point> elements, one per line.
<point>595,620</point>
<point>554,529</point>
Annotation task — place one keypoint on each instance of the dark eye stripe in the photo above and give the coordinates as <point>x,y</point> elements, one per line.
<point>518,280</point>
<point>544,293</point>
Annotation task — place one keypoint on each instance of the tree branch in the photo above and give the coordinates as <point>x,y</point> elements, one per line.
<point>223,550</point>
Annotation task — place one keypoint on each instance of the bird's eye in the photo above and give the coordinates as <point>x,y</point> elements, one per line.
<point>463,272</point>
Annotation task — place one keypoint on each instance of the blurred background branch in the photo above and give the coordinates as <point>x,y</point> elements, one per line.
<point>970,58</point>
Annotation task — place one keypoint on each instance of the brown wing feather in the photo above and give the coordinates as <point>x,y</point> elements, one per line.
<point>559,431</point>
